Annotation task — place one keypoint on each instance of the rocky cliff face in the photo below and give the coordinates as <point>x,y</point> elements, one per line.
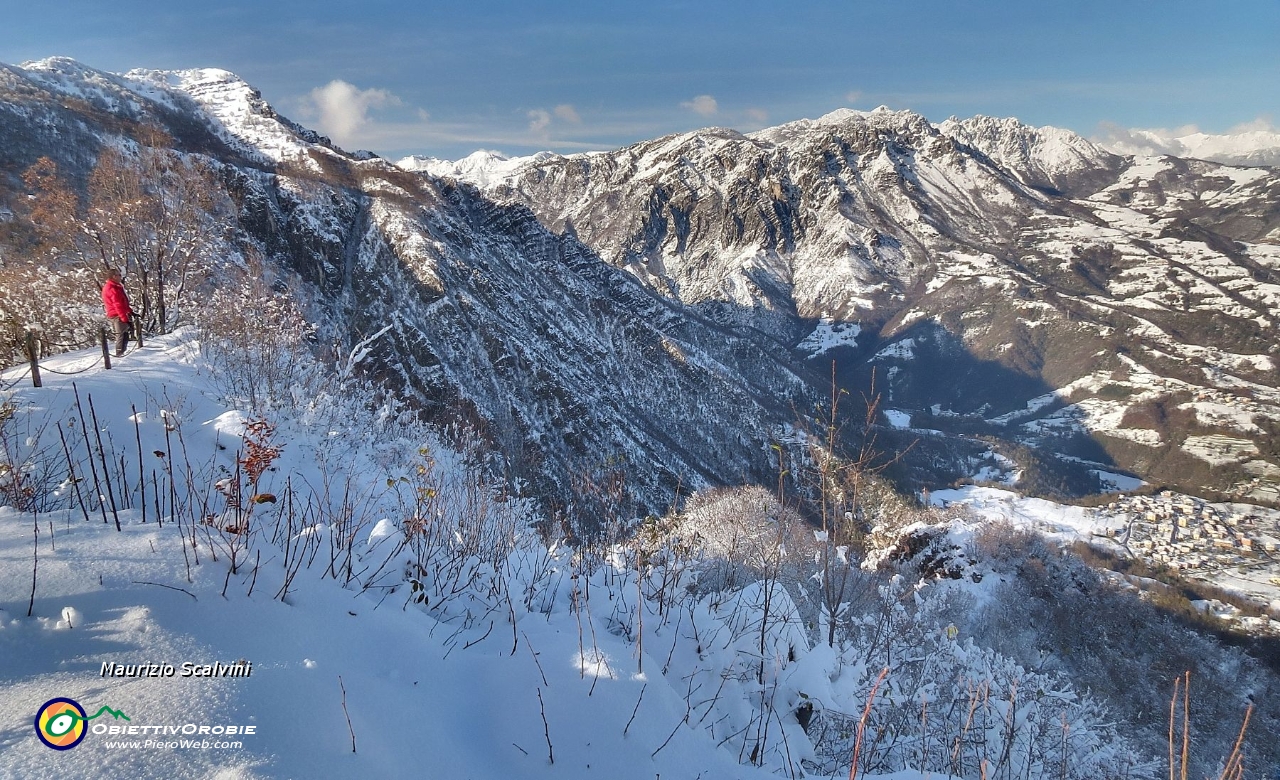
<point>663,310</point>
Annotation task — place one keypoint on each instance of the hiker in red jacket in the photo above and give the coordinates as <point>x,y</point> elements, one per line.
<point>119,312</point>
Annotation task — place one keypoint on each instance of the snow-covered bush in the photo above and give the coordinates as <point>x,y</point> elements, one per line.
<point>949,705</point>
<point>254,339</point>
<point>744,534</point>
<point>1049,611</point>
<point>29,468</point>
<point>59,304</point>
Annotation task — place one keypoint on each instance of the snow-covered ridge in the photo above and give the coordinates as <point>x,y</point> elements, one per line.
<point>238,112</point>
<point>1250,145</point>
<point>1043,155</point>
<point>1039,155</point>
<point>69,77</point>
<point>483,168</point>
<point>230,107</point>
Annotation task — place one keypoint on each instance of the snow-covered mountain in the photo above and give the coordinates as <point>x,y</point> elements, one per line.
<point>482,168</point>
<point>1011,289</point>
<point>1066,320</point>
<point>1256,143</point>
<point>220,102</point>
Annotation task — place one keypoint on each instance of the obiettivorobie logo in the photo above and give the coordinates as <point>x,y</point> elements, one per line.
<point>61,723</point>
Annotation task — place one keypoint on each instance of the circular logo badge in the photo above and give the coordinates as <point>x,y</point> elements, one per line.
<point>60,723</point>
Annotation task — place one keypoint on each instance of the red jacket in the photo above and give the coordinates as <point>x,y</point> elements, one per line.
<point>115,301</point>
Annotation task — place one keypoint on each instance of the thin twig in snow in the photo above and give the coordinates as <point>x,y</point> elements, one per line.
<point>634,711</point>
<point>347,714</point>
<point>170,587</point>
<point>546,730</point>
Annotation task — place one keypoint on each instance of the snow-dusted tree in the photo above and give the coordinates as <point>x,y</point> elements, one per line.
<point>54,296</point>
<point>254,338</point>
<point>157,215</point>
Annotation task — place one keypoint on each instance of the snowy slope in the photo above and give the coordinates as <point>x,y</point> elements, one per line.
<point>506,693</point>
<point>474,714</point>
<point>376,568</point>
<point>416,697</point>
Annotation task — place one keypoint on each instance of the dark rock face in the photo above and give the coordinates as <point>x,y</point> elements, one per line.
<point>665,310</point>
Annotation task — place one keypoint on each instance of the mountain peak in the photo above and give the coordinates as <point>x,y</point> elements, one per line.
<point>229,106</point>
<point>58,64</point>
<point>1043,157</point>
<point>902,124</point>
<point>483,168</point>
<point>186,78</point>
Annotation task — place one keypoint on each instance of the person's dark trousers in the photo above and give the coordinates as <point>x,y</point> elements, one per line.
<point>122,335</point>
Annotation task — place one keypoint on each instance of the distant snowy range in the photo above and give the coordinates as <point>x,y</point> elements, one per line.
<point>1252,143</point>
<point>857,446</point>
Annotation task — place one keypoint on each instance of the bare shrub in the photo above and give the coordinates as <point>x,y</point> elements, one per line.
<point>744,532</point>
<point>254,338</point>
<point>158,216</point>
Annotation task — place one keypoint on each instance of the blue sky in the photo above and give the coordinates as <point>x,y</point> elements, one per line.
<point>447,78</point>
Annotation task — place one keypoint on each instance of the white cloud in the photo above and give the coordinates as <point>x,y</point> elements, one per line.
<point>1263,124</point>
<point>702,105</point>
<point>758,115</point>
<point>568,113</point>
<point>342,110</point>
<point>378,120</point>
<point>1124,140</point>
<point>852,96</point>
<point>539,120</point>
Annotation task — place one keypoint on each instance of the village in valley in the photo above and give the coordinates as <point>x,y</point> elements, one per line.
<point>1183,532</point>
<point>1232,546</point>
